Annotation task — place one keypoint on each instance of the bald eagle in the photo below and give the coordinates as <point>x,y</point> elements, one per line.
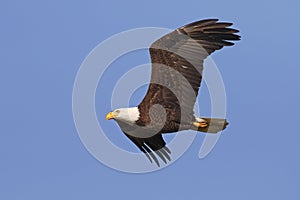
<point>177,64</point>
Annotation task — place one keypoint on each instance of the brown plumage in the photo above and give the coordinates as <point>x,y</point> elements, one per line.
<point>177,64</point>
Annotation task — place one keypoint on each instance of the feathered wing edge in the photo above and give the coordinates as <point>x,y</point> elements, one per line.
<point>211,34</point>
<point>151,147</point>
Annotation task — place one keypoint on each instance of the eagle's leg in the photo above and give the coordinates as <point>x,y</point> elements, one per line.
<point>200,123</point>
<point>209,125</point>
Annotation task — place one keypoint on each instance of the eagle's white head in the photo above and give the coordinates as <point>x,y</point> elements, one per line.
<point>124,114</point>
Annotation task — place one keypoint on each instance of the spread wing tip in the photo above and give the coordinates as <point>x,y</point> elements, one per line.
<point>152,147</point>
<point>211,30</point>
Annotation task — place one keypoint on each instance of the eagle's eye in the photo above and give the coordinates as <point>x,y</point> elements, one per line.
<point>117,111</point>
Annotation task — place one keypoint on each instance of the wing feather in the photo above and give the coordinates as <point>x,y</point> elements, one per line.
<point>151,145</point>
<point>183,51</point>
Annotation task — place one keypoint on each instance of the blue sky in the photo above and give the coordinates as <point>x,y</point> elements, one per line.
<point>42,47</point>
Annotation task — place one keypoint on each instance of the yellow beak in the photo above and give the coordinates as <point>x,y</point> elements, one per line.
<point>110,115</point>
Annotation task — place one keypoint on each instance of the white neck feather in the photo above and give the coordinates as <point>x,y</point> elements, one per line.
<point>128,114</point>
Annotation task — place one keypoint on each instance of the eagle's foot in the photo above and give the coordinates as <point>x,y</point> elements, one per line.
<point>200,124</point>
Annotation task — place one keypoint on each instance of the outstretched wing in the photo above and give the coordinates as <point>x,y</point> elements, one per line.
<point>177,65</point>
<point>152,146</point>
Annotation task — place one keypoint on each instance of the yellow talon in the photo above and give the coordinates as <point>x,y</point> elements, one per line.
<point>200,124</point>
